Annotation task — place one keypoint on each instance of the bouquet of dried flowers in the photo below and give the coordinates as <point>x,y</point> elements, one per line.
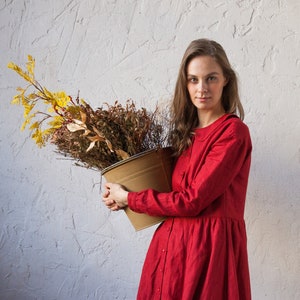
<point>95,138</point>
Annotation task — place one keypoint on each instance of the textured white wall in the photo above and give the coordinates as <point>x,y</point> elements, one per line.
<point>57,240</point>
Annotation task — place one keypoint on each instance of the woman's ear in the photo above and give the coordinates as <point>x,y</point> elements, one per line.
<point>225,82</point>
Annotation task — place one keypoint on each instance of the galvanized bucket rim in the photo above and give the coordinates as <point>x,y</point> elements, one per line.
<point>131,158</point>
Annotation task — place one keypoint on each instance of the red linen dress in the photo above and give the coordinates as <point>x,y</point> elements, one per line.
<point>200,251</point>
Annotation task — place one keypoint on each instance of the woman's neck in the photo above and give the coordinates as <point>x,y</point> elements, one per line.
<point>207,118</point>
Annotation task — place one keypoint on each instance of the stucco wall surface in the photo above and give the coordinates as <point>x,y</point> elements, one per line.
<point>57,240</point>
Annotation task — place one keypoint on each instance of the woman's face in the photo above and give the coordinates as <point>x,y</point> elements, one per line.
<point>205,83</point>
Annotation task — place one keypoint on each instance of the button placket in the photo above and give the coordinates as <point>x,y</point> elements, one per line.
<point>162,264</point>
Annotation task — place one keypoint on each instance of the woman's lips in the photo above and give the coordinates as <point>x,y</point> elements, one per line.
<point>202,98</point>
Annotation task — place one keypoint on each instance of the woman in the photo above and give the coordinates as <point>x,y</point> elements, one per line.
<point>200,251</point>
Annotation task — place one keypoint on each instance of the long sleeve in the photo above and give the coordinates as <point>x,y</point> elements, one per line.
<point>224,159</point>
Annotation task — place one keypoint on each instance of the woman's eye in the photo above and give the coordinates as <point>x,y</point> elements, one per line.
<point>193,80</point>
<point>211,78</point>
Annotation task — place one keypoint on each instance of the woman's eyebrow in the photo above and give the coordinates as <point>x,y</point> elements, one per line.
<point>209,74</point>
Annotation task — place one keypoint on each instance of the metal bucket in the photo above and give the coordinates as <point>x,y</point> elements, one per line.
<point>149,169</point>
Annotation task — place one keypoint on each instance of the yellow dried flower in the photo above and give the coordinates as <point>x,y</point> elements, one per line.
<point>95,138</point>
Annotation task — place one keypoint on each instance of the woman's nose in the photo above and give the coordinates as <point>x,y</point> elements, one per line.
<point>202,86</point>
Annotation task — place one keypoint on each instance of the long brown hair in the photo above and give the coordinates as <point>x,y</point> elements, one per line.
<point>184,114</point>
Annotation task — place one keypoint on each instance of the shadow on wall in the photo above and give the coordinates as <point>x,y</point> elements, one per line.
<point>273,226</point>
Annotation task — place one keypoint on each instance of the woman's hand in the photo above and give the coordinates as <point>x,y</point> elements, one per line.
<point>115,196</point>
